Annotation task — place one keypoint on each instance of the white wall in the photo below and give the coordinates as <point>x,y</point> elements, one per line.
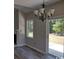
<point>21,30</point>
<point>39,38</point>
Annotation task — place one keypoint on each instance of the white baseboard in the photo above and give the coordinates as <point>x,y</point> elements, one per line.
<point>56,53</point>
<point>19,45</point>
<point>36,49</point>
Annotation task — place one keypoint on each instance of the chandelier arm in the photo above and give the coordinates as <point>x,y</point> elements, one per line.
<point>43,5</point>
<point>42,14</point>
<point>43,1</point>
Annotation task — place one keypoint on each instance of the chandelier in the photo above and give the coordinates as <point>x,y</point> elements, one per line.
<point>43,14</point>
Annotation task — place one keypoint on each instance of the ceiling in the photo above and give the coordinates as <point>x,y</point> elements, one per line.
<point>28,5</point>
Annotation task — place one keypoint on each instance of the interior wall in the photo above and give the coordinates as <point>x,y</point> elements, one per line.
<point>39,38</point>
<point>21,30</point>
<point>59,8</point>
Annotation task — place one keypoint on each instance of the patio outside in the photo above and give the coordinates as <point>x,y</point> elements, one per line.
<point>56,39</point>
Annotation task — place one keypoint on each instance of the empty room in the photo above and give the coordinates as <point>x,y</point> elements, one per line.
<point>38,29</point>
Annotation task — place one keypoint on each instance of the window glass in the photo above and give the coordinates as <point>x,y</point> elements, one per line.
<point>56,34</point>
<point>29,28</point>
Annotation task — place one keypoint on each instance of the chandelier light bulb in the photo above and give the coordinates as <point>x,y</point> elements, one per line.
<point>36,12</point>
<point>48,14</point>
<point>39,14</point>
<point>42,10</point>
<point>42,13</point>
<point>52,11</point>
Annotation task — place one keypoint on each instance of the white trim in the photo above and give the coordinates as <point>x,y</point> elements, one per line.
<point>57,47</point>
<point>56,53</point>
<point>36,49</point>
<point>19,45</point>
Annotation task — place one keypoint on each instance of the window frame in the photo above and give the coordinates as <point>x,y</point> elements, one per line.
<point>52,51</point>
<point>26,33</point>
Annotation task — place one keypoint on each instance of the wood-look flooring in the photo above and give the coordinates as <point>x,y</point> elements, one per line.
<point>28,53</point>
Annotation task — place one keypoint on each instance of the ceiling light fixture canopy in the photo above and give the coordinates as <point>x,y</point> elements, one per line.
<point>42,13</point>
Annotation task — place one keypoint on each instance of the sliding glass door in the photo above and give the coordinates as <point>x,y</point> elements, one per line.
<point>56,36</point>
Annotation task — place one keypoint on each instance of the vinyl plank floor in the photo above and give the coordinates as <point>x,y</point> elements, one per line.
<point>28,53</point>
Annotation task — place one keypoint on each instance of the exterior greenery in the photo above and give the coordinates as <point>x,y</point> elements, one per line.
<point>57,26</point>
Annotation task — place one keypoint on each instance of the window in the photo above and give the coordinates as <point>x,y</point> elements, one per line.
<point>56,31</point>
<point>29,28</point>
<point>56,36</point>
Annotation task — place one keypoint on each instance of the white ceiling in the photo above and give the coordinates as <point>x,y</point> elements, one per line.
<point>32,3</point>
